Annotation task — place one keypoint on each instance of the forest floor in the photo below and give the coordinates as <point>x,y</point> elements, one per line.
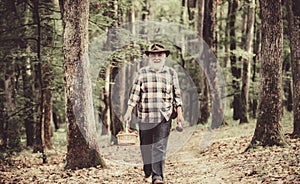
<point>218,159</point>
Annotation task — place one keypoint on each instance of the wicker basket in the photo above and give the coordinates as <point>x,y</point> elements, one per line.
<point>127,138</point>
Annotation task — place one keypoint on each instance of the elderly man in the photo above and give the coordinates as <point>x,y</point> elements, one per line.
<point>156,92</point>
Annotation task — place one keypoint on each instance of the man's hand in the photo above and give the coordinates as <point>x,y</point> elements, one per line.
<point>127,116</point>
<point>180,119</point>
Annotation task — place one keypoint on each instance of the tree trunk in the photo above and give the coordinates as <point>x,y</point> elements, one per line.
<point>256,58</point>
<point>183,12</point>
<point>209,35</point>
<point>106,98</point>
<point>12,123</point>
<point>28,106</point>
<point>116,123</point>
<point>145,17</point>
<point>268,126</point>
<point>111,44</point>
<point>47,118</point>
<point>10,49</point>
<point>200,7</point>
<point>227,37</point>
<point>235,70</point>
<point>294,26</point>
<point>287,82</point>
<point>2,113</point>
<point>39,142</point>
<point>204,97</point>
<point>191,5</point>
<point>246,63</point>
<point>47,57</point>
<point>82,149</point>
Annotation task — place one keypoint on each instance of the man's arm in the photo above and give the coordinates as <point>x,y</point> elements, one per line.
<point>180,118</point>
<point>133,98</point>
<point>127,116</point>
<point>177,99</point>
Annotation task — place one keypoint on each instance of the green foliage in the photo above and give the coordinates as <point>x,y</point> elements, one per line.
<point>241,53</point>
<point>167,10</point>
<point>19,40</point>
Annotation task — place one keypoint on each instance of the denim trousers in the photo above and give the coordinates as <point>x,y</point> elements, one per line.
<point>153,145</point>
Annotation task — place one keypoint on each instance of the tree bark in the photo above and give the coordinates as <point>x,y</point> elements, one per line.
<point>204,97</point>
<point>256,58</point>
<point>12,124</point>
<point>183,12</point>
<point>268,125</point>
<point>200,7</point>
<point>116,123</point>
<point>39,141</point>
<point>191,6</point>
<point>47,41</point>
<point>246,63</point>
<point>294,26</point>
<point>209,35</point>
<point>2,112</point>
<point>235,70</point>
<point>82,150</point>
<point>29,106</point>
<point>106,99</point>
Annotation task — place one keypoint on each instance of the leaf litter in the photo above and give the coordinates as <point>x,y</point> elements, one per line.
<point>222,161</point>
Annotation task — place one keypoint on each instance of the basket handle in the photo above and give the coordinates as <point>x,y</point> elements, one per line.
<point>126,126</point>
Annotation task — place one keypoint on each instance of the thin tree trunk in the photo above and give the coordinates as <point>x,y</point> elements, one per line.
<point>47,56</point>
<point>287,83</point>
<point>111,42</point>
<point>209,35</point>
<point>12,124</point>
<point>106,97</point>
<point>116,124</point>
<point>294,26</point>
<point>145,17</point>
<point>28,86</point>
<point>256,58</point>
<point>2,113</point>
<point>183,12</point>
<point>39,143</point>
<point>246,63</point>
<point>47,118</point>
<point>200,7</point>
<point>235,70</point>
<point>191,13</point>
<point>29,106</point>
<point>204,97</point>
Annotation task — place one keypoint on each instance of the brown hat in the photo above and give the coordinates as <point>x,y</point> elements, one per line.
<point>157,48</point>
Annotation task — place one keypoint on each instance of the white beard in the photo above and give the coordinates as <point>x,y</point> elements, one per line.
<point>157,65</point>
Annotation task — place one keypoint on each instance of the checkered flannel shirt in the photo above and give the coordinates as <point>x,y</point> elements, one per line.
<point>154,93</point>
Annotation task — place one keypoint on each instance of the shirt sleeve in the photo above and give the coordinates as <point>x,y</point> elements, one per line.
<point>135,93</point>
<point>176,90</point>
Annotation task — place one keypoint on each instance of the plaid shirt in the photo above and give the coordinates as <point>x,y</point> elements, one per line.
<point>154,93</point>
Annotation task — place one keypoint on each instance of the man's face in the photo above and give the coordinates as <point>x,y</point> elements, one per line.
<point>157,60</point>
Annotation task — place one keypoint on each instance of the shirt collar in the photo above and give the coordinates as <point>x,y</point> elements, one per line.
<point>165,69</point>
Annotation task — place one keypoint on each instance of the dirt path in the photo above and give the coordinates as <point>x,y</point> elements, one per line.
<point>221,162</point>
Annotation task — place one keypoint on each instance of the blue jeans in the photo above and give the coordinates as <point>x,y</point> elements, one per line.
<point>153,145</point>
